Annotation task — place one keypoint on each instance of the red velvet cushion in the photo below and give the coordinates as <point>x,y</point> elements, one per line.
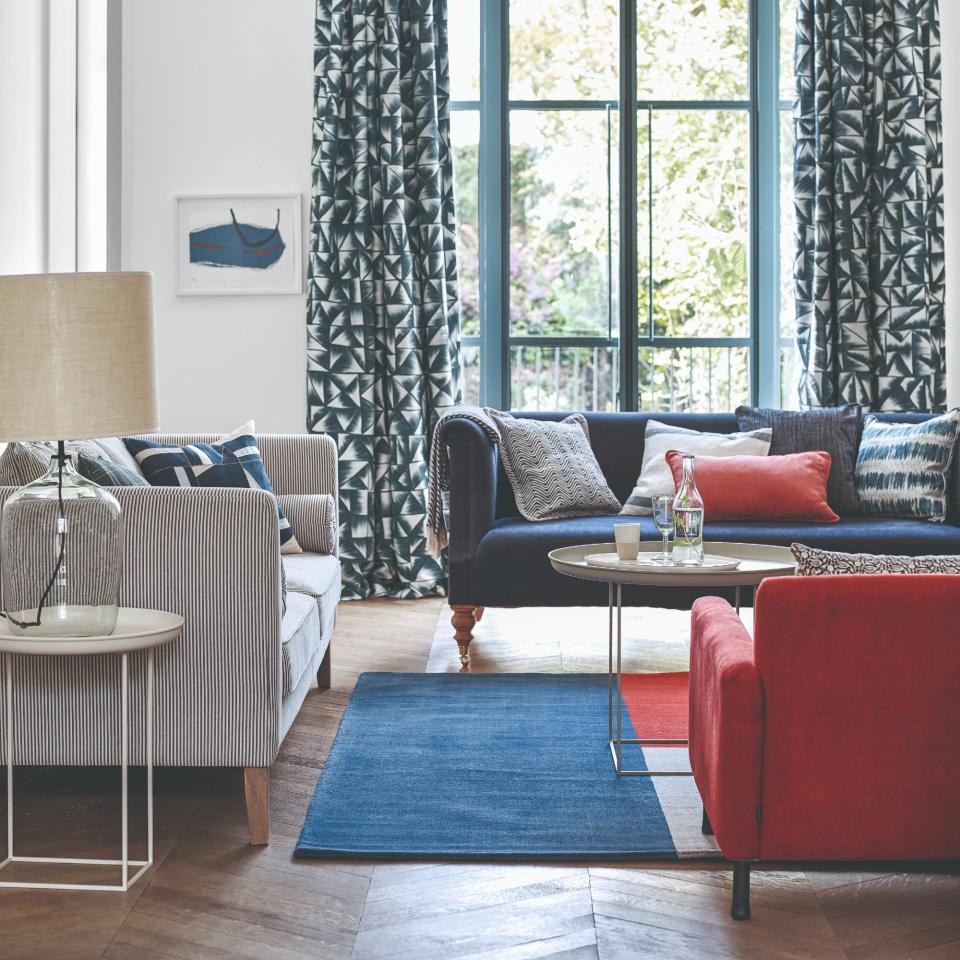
<point>789,487</point>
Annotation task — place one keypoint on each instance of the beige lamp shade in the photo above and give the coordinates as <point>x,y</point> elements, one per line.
<point>77,356</point>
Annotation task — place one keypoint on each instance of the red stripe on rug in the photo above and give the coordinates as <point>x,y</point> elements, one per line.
<point>657,704</point>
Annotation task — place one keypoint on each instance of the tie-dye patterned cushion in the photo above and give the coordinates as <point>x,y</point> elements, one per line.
<point>902,468</point>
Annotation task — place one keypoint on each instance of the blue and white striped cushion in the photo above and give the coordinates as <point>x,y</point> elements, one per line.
<point>902,468</point>
<point>234,462</point>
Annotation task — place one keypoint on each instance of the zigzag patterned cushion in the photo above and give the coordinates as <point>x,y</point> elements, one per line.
<point>233,462</point>
<point>902,467</point>
<point>552,469</point>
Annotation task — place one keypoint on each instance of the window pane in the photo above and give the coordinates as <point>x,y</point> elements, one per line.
<point>788,33</point>
<point>470,373</point>
<point>564,378</point>
<point>463,38</point>
<point>789,377</point>
<point>563,222</point>
<point>788,226</point>
<point>703,379</point>
<point>692,50</point>
<point>465,139</point>
<point>563,50</point>
<point>701,216</point>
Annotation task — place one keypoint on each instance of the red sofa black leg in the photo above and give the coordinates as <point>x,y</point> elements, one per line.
<point>741,890</point>
<point>705,827</point>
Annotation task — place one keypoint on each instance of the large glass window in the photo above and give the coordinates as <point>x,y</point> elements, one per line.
<point>555,186</point>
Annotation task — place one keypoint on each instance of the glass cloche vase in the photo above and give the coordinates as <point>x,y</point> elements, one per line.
<point>60,556</point>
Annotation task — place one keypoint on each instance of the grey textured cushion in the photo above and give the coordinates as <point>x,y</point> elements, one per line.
<point>552,468</point>
<point>812,562</point>
<point>835,430</point>
<point>902,468</point>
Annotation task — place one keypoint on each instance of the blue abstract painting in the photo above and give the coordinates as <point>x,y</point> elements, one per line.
<point>236,244</point>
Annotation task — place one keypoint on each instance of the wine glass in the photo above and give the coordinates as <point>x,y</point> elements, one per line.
<point>663,518</point>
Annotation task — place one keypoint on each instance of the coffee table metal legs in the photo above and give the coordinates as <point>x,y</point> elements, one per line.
<point>615,693</point>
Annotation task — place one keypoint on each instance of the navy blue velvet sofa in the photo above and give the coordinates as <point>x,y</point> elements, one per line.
<point>498,559</point>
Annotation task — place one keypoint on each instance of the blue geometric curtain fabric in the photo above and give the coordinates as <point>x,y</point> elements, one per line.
<point>868,186</point>
<point>382,314</point>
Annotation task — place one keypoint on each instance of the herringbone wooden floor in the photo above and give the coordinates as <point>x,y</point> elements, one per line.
<point>212,897</point>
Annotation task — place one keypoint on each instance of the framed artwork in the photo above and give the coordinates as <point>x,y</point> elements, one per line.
<point>236,244</point>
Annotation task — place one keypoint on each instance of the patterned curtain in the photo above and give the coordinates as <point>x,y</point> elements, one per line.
<point>868,182</point>
<point>383,326</point>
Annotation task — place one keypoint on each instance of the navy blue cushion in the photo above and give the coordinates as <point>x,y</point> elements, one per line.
<point>107,473</point>
<point>230,463</point>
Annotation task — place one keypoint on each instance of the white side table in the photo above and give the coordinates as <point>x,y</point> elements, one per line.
<point>136,630</point>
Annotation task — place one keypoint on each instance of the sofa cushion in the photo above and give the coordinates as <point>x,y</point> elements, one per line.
<point>23,462</point>
<point>511,567</point>
<point>234,461</point>
<point>827,563</point>
<point>789,487</point>
<point>311,573</point>
<point>835,430</point>
<point>660,438</point>
<point>106,473</point>
<point>903,469</point>
<point>299,637</point>
<point>552,469</point>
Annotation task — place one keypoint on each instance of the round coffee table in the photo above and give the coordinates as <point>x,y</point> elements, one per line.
<point>757,562</point>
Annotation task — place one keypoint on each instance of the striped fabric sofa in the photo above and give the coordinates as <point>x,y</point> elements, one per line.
<point>228,691</point>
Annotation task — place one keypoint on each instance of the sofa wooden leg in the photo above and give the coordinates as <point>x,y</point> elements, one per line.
<point>740,909</point>
<point>478,613</point>
<point>256,787</point>
<point>705,826</point>
<point>323,672</point>
<point>464,619</point>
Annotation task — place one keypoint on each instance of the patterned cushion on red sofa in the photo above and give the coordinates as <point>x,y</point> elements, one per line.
<point>824,563</point>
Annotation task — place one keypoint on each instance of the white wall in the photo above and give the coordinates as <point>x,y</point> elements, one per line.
<point>217,98</point>
<point>950,41</point>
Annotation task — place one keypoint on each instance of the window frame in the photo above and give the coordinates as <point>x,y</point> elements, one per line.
<point>763,107</point>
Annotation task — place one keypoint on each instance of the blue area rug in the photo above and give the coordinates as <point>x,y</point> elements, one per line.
<point>486,767</point>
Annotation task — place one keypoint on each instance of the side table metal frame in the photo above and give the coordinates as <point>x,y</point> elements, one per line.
<point>614,678</point>
<point>125,863</point>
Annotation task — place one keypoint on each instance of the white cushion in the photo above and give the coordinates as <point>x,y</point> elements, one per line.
<point>311,573</point>
<point>656,478</point>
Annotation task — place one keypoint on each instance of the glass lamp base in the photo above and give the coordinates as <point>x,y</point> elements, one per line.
<point>60,556</point>
<point>70,620</point>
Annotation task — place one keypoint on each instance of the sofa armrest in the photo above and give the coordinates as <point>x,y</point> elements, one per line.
<point>313,517</point>
<point>726,726</point>
<point>213,556</point>
<point>300,462</point>
<point>473,495</point>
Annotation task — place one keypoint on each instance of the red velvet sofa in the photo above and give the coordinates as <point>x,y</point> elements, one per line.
<point>834,733</point>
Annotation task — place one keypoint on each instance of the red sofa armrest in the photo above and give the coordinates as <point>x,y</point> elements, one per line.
<point>726,726</point>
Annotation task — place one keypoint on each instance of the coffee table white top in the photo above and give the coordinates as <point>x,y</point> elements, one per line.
<point>757,562</point>
<point>136,629</point>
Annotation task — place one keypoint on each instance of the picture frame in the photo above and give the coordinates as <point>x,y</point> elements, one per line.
<point>239,244</point>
